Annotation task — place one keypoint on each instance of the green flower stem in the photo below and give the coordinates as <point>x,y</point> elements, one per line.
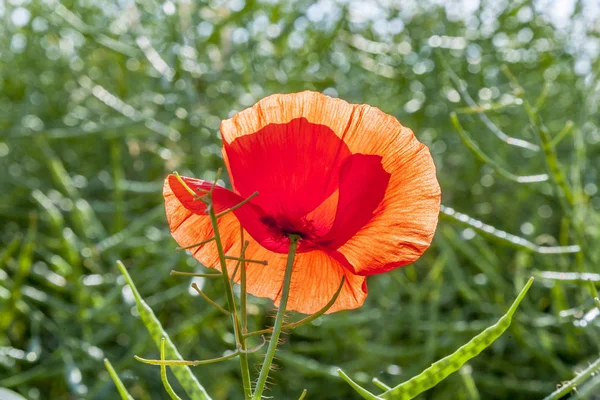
<point>266,367</point>
<point>115,377</point>
<point>211,301</point>
<point>163,373</point>
<point>241,340</point>
<point>247,199</point>
<point>263,262</point>
<point>569,386</point>
<point>243,293</point>
<point>191,246</point>
<point>195,363</point>
<point>173,272</point>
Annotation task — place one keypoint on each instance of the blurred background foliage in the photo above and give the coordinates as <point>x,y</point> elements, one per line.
<point>99,100</point>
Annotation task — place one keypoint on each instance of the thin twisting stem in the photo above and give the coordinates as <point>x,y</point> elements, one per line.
<point>191,246</point>
<point>241,341</point>
<point>303,321</point>
<point>266,367</point>
<point>211,301</point>
<point>263,262</point>
<point>237,265</point>
<point>163,373</point>
<point>178,363</point>
<point>243,293</point>
<point>247,199</point>
<point>214,185</point>
<point>185,186</point>
<point>198,275</point>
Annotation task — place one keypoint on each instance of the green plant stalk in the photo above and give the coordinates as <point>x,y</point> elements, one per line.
<point>179,363</point>
<point>577,381</point>
<point>24,263</point>
<point>303,321</point>
<point>364,393</point>
<point>243,292</point>
<point>266,367</point>
<point>570,202</point>
<point>241,340</point>
<point>163,373</point>
<point>469,382</point>
<point>10,249</point>
<point>120,387</point>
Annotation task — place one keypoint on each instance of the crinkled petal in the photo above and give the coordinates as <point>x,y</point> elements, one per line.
<point>294,166</point>
<point>251,216</point>
<point>404,222</point>
<point>363,182</point>
<point>315,279</point>
<point>188,228</point>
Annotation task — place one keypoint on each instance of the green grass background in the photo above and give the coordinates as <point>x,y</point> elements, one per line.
<point>99,100</point>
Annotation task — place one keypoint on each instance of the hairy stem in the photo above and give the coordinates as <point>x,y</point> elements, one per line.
<point>266,367</point>
<point>241,340</point>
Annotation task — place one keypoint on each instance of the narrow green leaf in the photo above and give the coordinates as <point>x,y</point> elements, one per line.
<point>452,363</point>
<point>120,387</point>
<point>184,375</point>
<point>359,389</point>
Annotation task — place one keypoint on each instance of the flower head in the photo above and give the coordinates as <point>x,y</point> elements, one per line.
<point>355,186</point>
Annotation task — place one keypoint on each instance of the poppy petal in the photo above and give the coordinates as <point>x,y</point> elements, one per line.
<point>294,166</point>
<point>315,107</point>
<point>189,227</point>
<point>363,182</point>
<point>251,216</point>
<point>403,224</point>
<point>315,279</point>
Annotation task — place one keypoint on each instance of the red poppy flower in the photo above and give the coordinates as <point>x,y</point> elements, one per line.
<point>351,181</point>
